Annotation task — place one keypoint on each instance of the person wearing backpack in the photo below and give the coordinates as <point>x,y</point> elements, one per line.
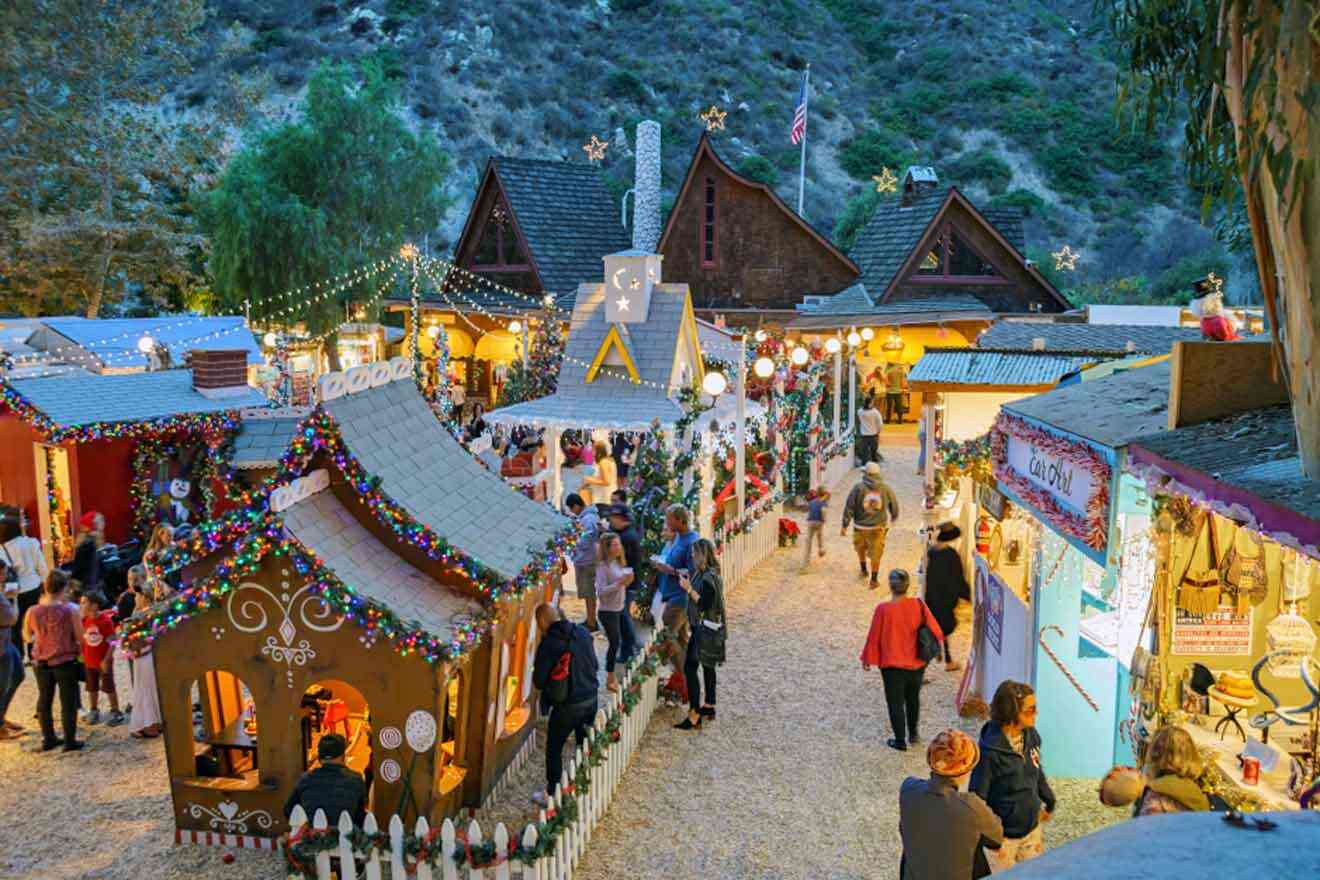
<point>565,672</point>
<point>904,637</point>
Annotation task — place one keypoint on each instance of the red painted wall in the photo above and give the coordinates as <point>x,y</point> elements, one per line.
<point>18,471</point>
<point>105,472</point>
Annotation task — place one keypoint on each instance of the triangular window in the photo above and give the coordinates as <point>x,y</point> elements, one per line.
<point>499,247</point>
<point>951,256</point>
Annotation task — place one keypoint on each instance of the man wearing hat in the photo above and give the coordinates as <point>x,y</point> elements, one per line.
<point>946,583</point>
<point>870,507</point>
<point>332,786</point>
<point>944,829</point>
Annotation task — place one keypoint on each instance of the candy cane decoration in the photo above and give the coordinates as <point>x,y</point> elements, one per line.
<point>1072,679</point>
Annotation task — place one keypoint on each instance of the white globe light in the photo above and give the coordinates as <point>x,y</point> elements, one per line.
<point>760,336</point>
<point>832,345</point>
<point>433,331</point>
<point>799,355</point>
<point>515,327</point>
<point>714,383</point>
<point>270,339</point>
<point>763,367</point>
<point>868,334</point>
<point>853,339</point>
<point>146,344</point>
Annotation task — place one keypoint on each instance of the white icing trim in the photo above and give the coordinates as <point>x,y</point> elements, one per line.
<point>331,387</point>
<point>357,379</point>
<point>400,367</point>
<point>382,373</point>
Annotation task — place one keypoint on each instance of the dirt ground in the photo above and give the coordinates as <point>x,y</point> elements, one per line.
<point>793,781</point>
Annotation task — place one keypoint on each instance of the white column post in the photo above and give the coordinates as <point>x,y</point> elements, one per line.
<point>555,485</point>
<point>838,388</point>
<point>740,428</point>
<point>525,324</point>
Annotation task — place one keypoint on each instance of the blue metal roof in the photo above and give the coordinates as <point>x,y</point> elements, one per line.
<point>970,366</point>
<point>114,340</point>
<point>84,399</point>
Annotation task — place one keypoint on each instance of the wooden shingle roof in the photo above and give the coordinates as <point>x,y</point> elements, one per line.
<point>1115,338</point>
<point>1006,369</point>
<point>1113,411</point>
<point>567,217</point>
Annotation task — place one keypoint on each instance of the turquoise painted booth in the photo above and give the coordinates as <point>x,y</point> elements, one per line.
<point>1059,457</point>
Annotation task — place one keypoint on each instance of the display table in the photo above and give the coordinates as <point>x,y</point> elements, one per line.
<point>1271,796</point>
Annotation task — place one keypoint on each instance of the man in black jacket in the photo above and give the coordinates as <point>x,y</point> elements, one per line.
<point>331,787</point>
<point>566,649</point>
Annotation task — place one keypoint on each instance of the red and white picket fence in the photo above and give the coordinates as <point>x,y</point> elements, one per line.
<point>393,862</point>
<point>746,541</point>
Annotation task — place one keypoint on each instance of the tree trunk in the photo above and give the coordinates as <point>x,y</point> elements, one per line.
<point>1287,257</point>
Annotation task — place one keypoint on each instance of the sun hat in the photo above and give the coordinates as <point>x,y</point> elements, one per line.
<point>952,753</point>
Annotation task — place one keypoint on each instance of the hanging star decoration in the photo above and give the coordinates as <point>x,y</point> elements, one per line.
<point>1065,260</point>
<point>714,118</point>
<point>595,149</point>
<point>885,181</point>
<point>622,303</point>
<point>1215,283</point>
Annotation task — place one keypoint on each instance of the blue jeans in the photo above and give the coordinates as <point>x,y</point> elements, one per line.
<point>11,676</point>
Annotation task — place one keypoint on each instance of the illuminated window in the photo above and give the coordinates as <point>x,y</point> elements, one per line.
<point>224,721</point>
<point>952,256</point>
<point>516,659</point>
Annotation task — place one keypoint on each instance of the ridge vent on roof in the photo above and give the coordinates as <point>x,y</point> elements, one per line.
<point>354,380</point>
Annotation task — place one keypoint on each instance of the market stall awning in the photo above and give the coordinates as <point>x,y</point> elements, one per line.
<point>973,369</point>
<point>499,346</point>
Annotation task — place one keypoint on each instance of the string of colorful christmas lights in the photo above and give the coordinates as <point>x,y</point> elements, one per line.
<point>199,423</point>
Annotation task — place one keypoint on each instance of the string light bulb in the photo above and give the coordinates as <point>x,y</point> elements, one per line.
<point>799,355</point>
<point>714,383</point>
<point>763,367</point>
<point>832,345</point>
<point>146,344</point>
<point>408,251</point>
<point>854,339</point>
<point>270,339</point>
<point>515,326</point>
<point>760,336</point>
<point>868,334</point>
<point>433,331</point>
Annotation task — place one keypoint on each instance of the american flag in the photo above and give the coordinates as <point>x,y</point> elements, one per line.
<point>800,115</point>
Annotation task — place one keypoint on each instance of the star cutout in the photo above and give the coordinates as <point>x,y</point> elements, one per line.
<point>595,149</point>
<point>885,181</point>
<point>622,303</point>
<point>1065,260</point>
<point>635,283</point>
<point>714,118</point>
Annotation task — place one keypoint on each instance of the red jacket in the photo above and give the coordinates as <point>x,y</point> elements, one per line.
<point>892,641</point>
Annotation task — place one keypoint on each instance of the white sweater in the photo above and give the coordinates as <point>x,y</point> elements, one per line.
<point>28,561</point>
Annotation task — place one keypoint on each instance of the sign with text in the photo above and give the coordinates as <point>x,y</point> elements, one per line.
<point>1065,481</point>
<point>1223,632</point>
<point>990,602</point>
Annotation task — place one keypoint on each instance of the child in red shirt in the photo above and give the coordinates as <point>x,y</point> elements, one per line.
<point>98,660</point>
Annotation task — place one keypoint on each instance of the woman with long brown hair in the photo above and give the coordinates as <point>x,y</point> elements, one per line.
<point>709,627</point>
<point>612,579</point>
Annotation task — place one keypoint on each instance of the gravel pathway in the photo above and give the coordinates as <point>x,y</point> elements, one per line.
<point>794,779</point>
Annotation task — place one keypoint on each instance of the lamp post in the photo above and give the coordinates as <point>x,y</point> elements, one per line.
<point>835,347</point>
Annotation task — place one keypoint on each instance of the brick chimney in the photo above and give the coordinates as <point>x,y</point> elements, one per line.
<point>917,180</point>
<point>646,187</point>
<point>219,372</point>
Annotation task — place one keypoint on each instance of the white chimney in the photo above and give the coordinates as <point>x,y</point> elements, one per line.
<point>1038,343</point>
<point>646,195</point>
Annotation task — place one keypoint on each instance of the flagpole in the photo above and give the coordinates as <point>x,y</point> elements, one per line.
<point>802,164</point>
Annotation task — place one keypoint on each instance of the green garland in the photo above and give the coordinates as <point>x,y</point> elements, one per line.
<point>301,847</point>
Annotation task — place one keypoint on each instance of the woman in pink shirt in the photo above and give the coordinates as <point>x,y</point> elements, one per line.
<point>55,632</point>
<point>612,579</point>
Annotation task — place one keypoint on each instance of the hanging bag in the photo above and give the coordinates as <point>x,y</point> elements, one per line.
<point>928,647</point>
<point>1198,592</point>
<point>1242,574</point>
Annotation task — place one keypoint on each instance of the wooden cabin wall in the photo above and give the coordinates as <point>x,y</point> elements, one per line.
<point>105,471</point>
<point>243,636</point>
<point>18,469</point>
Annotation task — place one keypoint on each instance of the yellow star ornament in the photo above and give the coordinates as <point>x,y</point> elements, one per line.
<point>714,118</point>
<point>595,149</point>
<point>1065,260</point>
<point>885,181</point>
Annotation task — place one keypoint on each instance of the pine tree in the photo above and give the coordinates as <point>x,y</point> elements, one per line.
<point>544,354</point>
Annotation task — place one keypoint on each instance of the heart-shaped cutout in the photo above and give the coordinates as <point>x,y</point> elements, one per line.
<point>228,809</point>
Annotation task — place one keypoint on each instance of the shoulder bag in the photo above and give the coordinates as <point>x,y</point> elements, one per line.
<point>928,647</point>
<point>1244,576</point>
<point>712,627</point>
<point>1198,592</point>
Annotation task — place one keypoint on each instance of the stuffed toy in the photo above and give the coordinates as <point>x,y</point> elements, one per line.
<point>1216,324</point>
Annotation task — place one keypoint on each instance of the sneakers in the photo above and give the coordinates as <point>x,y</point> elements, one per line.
<point>116,718</point>
<point>51,744</point>
<point>74,746</point>
<point>91,716</point>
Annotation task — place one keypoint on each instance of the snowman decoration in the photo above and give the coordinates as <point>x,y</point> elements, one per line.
<point>180,512</point>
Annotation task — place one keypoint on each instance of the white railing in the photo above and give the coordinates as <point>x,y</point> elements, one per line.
<point>748,540</point>
<point>451,854</point>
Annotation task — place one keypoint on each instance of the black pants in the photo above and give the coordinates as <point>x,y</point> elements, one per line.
<point>948,654</point>
<point>903,696</point>
<point>564,720</point>
<point>867,445</point>
<point>611,622</point>
<point>65,677</point>
<point>690,665</point>
<point>893,408</point>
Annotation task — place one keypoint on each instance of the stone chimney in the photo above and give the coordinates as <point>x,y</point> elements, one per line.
<point>219,372</point>
<point>917,180</point>
<point>646,192</point>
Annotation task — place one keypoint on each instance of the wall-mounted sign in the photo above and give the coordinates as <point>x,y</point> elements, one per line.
<point>1066,481</point>
<point>992,501</point>
<point>990,601</point>
<point>1224,632</point>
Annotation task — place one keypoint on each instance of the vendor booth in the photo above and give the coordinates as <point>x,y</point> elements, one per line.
<point>1232,654</point>
<point>382,585</point>
<point>1059,551</point>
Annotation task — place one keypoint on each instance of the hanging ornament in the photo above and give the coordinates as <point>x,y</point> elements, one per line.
<point>885,181</point>
<point>714,118</point>
<point>1291,642</point>
<point>595,149</point>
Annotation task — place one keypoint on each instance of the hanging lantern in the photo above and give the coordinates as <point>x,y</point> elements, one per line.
<point>894,343</point>
<point>270,339</point>
<point>763,367</point>
<point>146,345</point>
<point>854,338</point>
<point>1291,642</point>
<point>515,327</point>
<point>983,535</point>
<point>868,334</point>
<point>759,336</point>
<point>799,355</point>
<point>714,383</point>
<point>832,345</point>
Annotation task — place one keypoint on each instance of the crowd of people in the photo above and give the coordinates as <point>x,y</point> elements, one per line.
<point>63,622</point>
